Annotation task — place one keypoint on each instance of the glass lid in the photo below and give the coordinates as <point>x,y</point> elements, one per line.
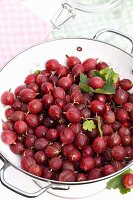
<point>94,5</point>
<point>94,2</point>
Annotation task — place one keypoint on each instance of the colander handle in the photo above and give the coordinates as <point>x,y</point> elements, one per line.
<point>42,189</point>
<point>6,164</point>
<point>130,39</point>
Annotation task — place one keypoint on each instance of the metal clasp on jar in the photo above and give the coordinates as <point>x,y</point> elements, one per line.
<point>62,15</point>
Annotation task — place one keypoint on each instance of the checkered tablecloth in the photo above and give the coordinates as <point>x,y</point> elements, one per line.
<point>19,29</point>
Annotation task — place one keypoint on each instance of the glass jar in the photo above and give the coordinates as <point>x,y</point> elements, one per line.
<point>83,18</point>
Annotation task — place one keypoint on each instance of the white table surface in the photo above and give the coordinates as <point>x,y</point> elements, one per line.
<point>26,182</point>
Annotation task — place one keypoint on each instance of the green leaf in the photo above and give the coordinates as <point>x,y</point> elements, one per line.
<point>115,77</point>
<point>106,71</point>
<point>103,91</point>
<point>99,126</point>
<point>109,90</point>
<point>37,71</point>
<point>109,73</point>
<point>116,183</point>
<point>123,190</point>
<point>110,81</point>
<point>108,87</point>
<point>86,88</point>
<point>97,73</point>
<point>89,125</point>
<point>113,183</point>
<point>83,78</point>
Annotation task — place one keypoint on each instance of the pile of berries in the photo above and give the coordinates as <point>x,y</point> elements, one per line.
<point>45,116</point>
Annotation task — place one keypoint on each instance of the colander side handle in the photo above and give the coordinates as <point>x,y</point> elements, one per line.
<point>17,190</point>
<point>130,39</point>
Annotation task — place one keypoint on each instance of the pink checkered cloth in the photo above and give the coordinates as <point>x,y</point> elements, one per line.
<point>19,29</point>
